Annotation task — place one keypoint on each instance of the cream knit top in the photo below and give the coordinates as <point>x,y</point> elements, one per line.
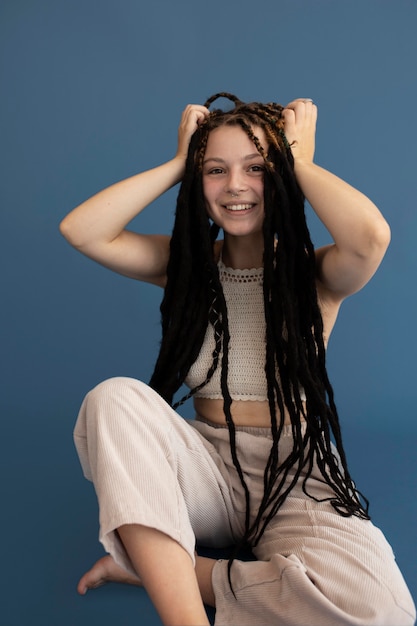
<point>243,292</point>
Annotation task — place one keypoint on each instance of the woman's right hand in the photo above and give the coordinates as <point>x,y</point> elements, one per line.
<point>192,116</point>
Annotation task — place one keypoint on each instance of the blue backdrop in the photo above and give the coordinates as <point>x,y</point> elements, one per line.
<point>92,91</point>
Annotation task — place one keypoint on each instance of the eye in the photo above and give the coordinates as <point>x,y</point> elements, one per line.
<point>257,168</point>
<point>215,170</point>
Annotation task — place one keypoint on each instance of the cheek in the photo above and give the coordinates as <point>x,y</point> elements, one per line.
<point>207,196</point>
<point>260,187</point>
<point>207,188</point>
<point>211,214</point>
<point>210,193</point>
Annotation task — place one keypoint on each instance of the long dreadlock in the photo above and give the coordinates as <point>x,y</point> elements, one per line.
<point>295,353</point>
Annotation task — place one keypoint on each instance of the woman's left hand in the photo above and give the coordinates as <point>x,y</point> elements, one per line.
<point>300,117</point>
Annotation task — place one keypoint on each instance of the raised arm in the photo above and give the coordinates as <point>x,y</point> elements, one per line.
<point>97,227</point>
<point>360,233</point>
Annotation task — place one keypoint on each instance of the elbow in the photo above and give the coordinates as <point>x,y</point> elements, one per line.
<point>68,231</point>
<point>63,228</point>
<point>376,241</point>
<point>382,236</point>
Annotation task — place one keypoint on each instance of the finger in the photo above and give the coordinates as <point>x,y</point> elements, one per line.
<point>201,115</point>
<point>288,115</point>
<point>300,111</point>
<point>297,101</point>
<point>192,116</point>
<point>304,109</point>
<point>290,126</point>
<point>196,109</point>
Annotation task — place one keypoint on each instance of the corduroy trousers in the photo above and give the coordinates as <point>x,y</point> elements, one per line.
<point>314,567</point>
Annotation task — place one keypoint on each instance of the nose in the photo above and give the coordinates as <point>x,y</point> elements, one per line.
<point>235,183</point>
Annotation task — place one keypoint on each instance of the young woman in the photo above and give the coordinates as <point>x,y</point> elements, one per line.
<point>245,323</point>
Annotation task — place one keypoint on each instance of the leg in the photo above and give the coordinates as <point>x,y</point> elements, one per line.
<point>106,570</point>
<point>204,569</point>
<point>167,573</point>
<point>315,567</point>
<point>150,469</point>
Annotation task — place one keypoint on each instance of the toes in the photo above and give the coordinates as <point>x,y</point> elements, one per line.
<point>103,571</point>
<point>82,588</point>
<point>95,577</point>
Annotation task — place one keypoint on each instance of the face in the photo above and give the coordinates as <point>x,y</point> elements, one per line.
<point>233,180</point>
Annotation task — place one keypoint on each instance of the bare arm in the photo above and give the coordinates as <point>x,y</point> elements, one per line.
<point>97,227</point>
<point>360,233</point>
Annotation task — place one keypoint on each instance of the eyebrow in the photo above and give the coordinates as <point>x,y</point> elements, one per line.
<point>248,157</point>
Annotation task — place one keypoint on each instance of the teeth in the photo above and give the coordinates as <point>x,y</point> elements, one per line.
<point>238,207</point>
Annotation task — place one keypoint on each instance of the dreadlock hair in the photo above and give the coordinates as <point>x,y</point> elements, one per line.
<point>295,353</point>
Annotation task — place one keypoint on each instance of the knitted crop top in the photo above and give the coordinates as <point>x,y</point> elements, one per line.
<point>245,309</point>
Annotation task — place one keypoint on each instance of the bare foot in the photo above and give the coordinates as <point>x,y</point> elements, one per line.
<point>105,570</point>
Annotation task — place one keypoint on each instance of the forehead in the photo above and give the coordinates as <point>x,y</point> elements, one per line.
<point>230,139</point>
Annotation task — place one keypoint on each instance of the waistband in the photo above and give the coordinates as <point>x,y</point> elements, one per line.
<point>257,431</point>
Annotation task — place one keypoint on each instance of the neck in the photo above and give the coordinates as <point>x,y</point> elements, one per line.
<point>243,252</point>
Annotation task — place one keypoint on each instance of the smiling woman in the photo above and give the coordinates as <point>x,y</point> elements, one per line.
<point>245,323</point>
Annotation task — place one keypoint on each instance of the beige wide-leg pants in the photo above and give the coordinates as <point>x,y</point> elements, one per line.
<point>149,466</point>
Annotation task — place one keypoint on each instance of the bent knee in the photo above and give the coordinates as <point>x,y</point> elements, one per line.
<point>122,400</point>
<point>112,389</point>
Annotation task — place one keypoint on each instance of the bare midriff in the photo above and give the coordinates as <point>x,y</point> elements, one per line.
<point>244,412</point>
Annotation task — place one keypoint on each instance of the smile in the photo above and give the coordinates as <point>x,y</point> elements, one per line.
<point>238,207</point>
